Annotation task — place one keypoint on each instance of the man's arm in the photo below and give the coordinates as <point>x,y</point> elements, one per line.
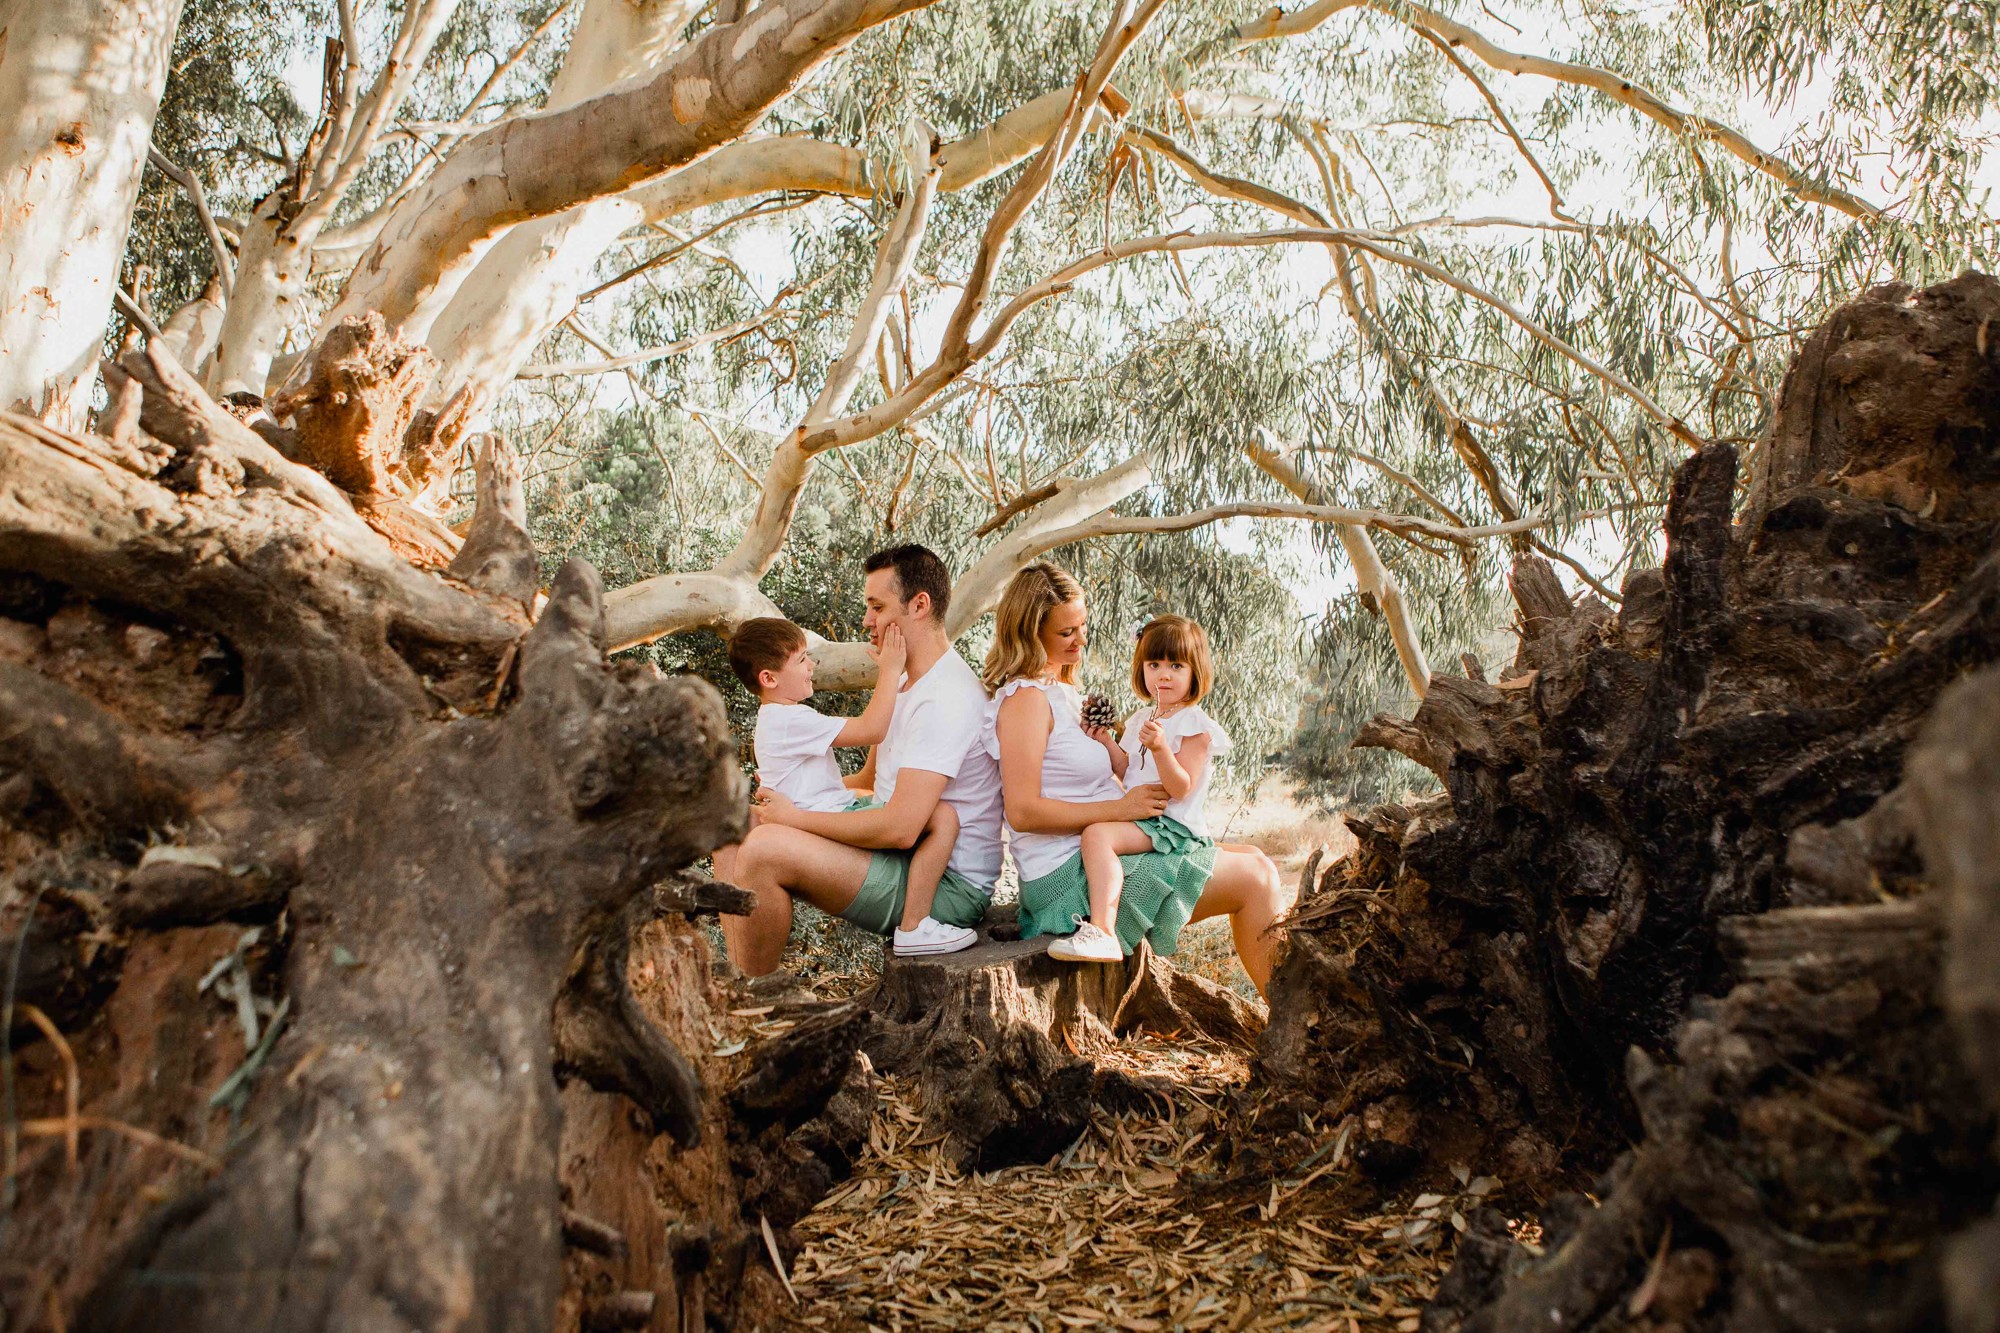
<point>865,779</point>
<point>896,825</point>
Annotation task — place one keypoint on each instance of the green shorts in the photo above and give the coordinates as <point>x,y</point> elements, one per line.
<point>878,907</point>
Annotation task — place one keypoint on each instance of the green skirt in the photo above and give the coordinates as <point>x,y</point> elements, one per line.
<point>1161,889</point>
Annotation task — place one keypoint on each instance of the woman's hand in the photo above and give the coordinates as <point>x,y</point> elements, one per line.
<point>1144,802</point>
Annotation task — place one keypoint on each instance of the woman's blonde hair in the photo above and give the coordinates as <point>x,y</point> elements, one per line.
<point>1174,639</point>
<point>1017,626</point>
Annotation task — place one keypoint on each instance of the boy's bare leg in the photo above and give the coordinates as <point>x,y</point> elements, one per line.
<point>725,863</point>
<point>1103,844</point>
<point>927,864</point>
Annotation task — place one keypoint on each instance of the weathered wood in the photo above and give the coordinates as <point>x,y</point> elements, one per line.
<point>451,833</point>
<point>1000,1036</point>
<point>587,1233</point>
<point>1531,969</point>
<point>1955,782</point>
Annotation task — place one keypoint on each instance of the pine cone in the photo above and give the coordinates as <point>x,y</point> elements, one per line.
<point>1099,711</point>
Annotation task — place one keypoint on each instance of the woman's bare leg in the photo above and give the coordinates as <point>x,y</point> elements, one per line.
<point>1245,887</point>
<point>1103,844</point>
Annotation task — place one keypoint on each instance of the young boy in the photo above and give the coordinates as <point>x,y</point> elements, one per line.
<point>794,747</point>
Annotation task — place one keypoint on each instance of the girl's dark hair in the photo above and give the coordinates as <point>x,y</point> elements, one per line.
<point>1173,639</point>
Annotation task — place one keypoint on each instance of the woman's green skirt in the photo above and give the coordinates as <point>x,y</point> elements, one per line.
<point>1161,888</point>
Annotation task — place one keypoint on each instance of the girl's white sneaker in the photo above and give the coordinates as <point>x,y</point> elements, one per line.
<point>1088,945</point>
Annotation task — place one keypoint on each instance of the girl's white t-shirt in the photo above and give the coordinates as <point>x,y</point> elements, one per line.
<point>1189,721</point>
<point>1074,768</point>
<point>794,748</point>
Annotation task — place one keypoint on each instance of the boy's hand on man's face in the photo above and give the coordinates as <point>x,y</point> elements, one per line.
<point>894,652</point>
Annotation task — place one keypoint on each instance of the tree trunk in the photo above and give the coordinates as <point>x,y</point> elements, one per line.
<point>455,835</point>
<point>80,84</point>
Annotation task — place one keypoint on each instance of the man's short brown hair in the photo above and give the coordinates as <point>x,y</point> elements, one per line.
<point>763,644</point>
<point>918,569</point>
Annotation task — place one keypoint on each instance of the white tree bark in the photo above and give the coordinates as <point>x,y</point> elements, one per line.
<point>279,240</point>
<point>80,85</point>
<point>535,166</point>
<point>527,283</point>
<point>524,274</point>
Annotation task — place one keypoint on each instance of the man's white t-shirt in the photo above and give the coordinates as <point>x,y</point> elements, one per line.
<point>936,727</point>
<point>794,747</point>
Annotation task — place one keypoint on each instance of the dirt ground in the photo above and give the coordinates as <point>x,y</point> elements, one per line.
<point>1132,1227</point>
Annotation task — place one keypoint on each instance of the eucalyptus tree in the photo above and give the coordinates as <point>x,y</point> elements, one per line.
<point>1440,284</point>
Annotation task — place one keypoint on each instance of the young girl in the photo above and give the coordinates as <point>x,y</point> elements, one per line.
<point>1171,741</point>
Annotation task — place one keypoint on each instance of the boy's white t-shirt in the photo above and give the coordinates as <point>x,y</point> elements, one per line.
<point>936,727</point>
<point>794,747</point>
<point>1189,721</point>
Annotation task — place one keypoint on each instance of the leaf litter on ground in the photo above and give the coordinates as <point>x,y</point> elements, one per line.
<point>1126,1229</point>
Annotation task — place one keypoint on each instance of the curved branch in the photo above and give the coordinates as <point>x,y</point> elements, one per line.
<point>543,164</point>
<point>1277,23</point>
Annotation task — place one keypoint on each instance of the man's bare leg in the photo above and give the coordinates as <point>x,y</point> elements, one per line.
<point>725,863</point>
<point>927,863</point>
<point>1103,844</point>
<point>778,864</point>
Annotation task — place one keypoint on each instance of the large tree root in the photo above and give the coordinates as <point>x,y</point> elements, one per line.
<point>439,842</point>
<point>1699,794</point>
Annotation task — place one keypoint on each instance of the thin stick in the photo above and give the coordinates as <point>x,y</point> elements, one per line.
<point>68,1057</point>
<point>771,1244</point>
<point>42,1129</point>
<point>191,184</point>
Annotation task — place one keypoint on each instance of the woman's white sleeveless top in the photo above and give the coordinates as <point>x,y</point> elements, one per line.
<point>1074,768</point>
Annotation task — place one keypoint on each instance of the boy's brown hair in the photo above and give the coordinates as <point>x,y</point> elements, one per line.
<point>763,644</point>
<point>1174,639</point>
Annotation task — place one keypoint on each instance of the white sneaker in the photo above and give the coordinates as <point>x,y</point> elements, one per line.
<point>933,936</point>
<point>1088,945</point>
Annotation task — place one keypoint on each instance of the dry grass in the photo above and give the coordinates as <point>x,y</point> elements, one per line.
<point>1130,1228</point>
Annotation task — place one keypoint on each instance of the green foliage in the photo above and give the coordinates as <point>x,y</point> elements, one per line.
<point>1668,261</point>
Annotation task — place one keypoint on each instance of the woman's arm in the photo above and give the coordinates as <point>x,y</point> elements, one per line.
<point>1025,723</point>
<point>1179,772</point>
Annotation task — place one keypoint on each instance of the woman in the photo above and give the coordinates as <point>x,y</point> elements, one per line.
<point>1056,780</point>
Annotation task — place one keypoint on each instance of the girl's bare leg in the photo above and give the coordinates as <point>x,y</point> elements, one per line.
<point>1103,844</point>
<point>1245,886</point>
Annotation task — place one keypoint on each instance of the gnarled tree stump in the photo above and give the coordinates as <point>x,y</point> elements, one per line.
<point>227,699</point>
<point>999,1038</point>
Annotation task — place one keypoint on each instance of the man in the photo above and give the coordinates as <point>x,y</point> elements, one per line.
<point>855,864</point>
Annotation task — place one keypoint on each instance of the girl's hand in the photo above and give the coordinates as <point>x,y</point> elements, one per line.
<point>1152,735</point>
<point>1144,802</point>
<point>1103,736</point>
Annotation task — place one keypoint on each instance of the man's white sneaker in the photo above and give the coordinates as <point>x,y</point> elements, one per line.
<point>933,936</point>
<point>1088,945</point>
